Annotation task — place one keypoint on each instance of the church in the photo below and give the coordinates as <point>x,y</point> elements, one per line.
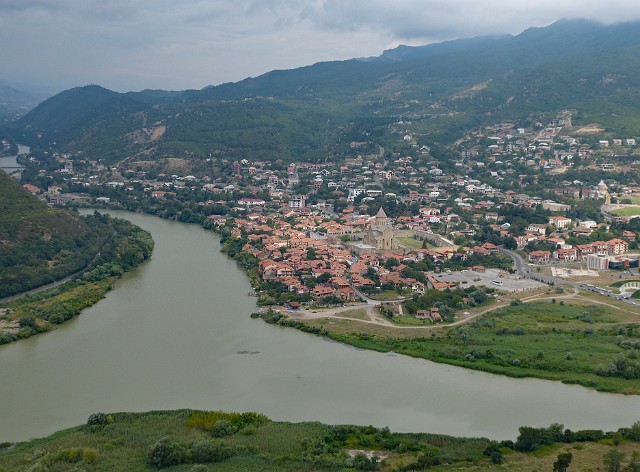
<point>603,192</point>
<point>381,235</point>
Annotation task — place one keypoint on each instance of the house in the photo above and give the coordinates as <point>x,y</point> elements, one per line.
<point>418,287</point>
<point>347,294</point>
<point>490,248</point>
<point>536,228</point>
<point>565,255</point>
<point>539,256</point>
<point>560,222</point>
<point>320,291</point>
<point>161,194</point>
<point>297,201</point>
<point>582,231</point>
<point>32,188</point>
<point>432,314</point>
<point>617,246</point>
<point>251,202</point>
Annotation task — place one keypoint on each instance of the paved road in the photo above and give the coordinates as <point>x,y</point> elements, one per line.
<point>57,283</point>
<point>528,271</point>
<point>42,288</point>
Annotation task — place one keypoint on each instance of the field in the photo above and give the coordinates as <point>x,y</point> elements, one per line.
<point>413,243</point>
<point>634,200</point>
<point>628,211</point>
<point>186,440</point>
<point>575,339</point>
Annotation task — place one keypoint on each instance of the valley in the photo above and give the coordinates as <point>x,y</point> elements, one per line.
<point>451,231</point>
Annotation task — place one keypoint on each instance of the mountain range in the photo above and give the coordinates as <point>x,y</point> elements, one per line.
<point>15,102</point>
<point>313,112</point>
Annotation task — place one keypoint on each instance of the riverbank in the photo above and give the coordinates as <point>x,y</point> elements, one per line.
<point>569,338</point>
<point>40,311</point>
<point>596,345</point>
<point>198,440</point>
<point>176,333</point>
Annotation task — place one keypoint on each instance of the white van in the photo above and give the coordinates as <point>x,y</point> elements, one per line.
<point>497,282</point>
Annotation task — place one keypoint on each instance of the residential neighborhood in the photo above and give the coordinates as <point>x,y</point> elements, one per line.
<point>386,221</point>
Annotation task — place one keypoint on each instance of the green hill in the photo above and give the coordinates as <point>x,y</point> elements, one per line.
<point>187,440</point>
<point>40,244</point>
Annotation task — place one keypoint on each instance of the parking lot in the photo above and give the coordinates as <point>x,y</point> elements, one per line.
<point>505,281</point>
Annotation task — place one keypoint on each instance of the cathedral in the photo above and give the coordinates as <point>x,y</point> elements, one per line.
<point>381,235</point>
<point>603,192</point>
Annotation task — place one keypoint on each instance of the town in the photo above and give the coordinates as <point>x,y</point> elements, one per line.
<point>396,221</point>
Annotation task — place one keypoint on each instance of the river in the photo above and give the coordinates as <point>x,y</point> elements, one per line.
<point>176,333</point>
<point>10,164</point>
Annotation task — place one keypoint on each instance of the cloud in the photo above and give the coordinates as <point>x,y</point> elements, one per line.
<point>446,19</point>
<point>128,44</point>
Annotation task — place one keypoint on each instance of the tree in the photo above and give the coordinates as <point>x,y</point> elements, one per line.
<point>634,464</point>
<point>531,439</point>
<point>311,254</point>
<point>27,322</point>
<point>562,462</point>
<point>613,460</point>
<point>510,243</point>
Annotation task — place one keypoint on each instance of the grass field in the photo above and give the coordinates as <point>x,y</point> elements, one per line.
<point>125,442</point>
<point>629,211</point>
<point>386,295</point>
<point>634,200</point>
<point>580,340</point>
<point>411,242</point>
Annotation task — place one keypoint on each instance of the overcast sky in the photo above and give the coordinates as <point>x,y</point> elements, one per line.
<point>177,44</point>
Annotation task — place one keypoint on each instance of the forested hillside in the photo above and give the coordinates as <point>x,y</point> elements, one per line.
<point>40,244</point>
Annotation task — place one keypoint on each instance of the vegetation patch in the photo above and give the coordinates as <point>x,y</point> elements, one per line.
<point>589,345</point>
<point>182,440</point>
<point>620,283</point>
<point>628,211</point>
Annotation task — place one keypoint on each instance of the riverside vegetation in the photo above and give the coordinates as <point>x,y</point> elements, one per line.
<point>187,440</point>
<point>574,341</point>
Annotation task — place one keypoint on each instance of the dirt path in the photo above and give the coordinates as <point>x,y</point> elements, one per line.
<point>378,320</point>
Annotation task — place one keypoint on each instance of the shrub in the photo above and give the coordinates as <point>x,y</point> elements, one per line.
<point>27,322</point>
<point>100,419</point>
<point>206,420</point>
<point>71,456</point>
<point>209,451</point>
<point>89,456</point>
<point>166,453</point>
<point>223,428</point>
<point>361,462</point>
